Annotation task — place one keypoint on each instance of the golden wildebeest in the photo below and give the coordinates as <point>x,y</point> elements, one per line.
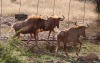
<point>31,25</point>
<point>51,23</point>
<point>71,36</point>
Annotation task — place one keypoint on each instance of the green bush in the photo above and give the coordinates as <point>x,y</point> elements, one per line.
<point>13,51</point>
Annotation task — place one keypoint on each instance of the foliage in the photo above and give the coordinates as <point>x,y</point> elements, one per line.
<point>97,2</point>
<point>13,51</point>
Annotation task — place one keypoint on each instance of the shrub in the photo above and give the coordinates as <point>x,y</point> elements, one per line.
<point>13,52</point>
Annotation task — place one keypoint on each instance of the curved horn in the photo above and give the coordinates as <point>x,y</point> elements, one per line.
<point>39,15</point>
<point>76,23</point>
<point>47,17</point>
<point>52,15</point>
<point>63,17</point>
<point>87,26</point>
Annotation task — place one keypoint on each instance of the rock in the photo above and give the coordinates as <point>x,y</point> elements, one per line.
<point>91,57</point>
<point>48,62</point>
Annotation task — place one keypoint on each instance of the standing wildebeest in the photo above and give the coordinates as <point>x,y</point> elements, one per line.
<point>31,25</point>
<point>51,23</point>
<point>72,35</point>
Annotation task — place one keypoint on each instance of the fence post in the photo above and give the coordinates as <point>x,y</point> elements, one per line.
<point>84,12</point>
<point>20,7</point>
<point>37,7</point>
<point>53,7</point>
<point>69,12</point>
<point>1,18</point>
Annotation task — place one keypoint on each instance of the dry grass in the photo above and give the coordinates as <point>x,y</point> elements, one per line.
<point>46,8</point>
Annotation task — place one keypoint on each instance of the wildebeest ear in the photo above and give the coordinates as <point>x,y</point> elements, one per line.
<point>60,19</point>
<point>87,25</point>
<point>40,15</point>
<point>47,17</point>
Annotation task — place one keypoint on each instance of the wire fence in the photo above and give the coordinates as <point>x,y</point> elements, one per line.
<point>73,10</point>
<point>70,8</point>
<point>46,7</point>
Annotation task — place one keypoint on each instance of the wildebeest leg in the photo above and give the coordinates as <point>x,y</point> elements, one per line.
<point>48,37</point>
<point>17,35</point>
<point>76,49</point>
<point>35,36</point>
<point>80,45</point>
<point>53,35</point>
<point>64,43</point>
<point>31,35</point>
<point>30,38</point>
<point>58,45</point>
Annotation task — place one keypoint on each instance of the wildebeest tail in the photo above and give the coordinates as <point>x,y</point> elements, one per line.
<point>11,29</point>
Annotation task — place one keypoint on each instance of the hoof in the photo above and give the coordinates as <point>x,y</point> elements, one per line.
<point>66,55</point>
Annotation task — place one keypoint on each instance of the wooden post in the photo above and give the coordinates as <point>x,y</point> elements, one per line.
<point>84,11</point>
<point>69,12</point>
<point>20,7</point>
<point>53,7</point>
<point>37,7</point>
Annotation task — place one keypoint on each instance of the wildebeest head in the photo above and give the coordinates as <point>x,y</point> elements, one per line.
<point>56,20</point>
<point>87,26</point>
<point>81,30</point>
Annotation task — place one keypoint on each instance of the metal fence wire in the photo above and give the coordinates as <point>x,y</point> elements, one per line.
<point>47,8</point>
